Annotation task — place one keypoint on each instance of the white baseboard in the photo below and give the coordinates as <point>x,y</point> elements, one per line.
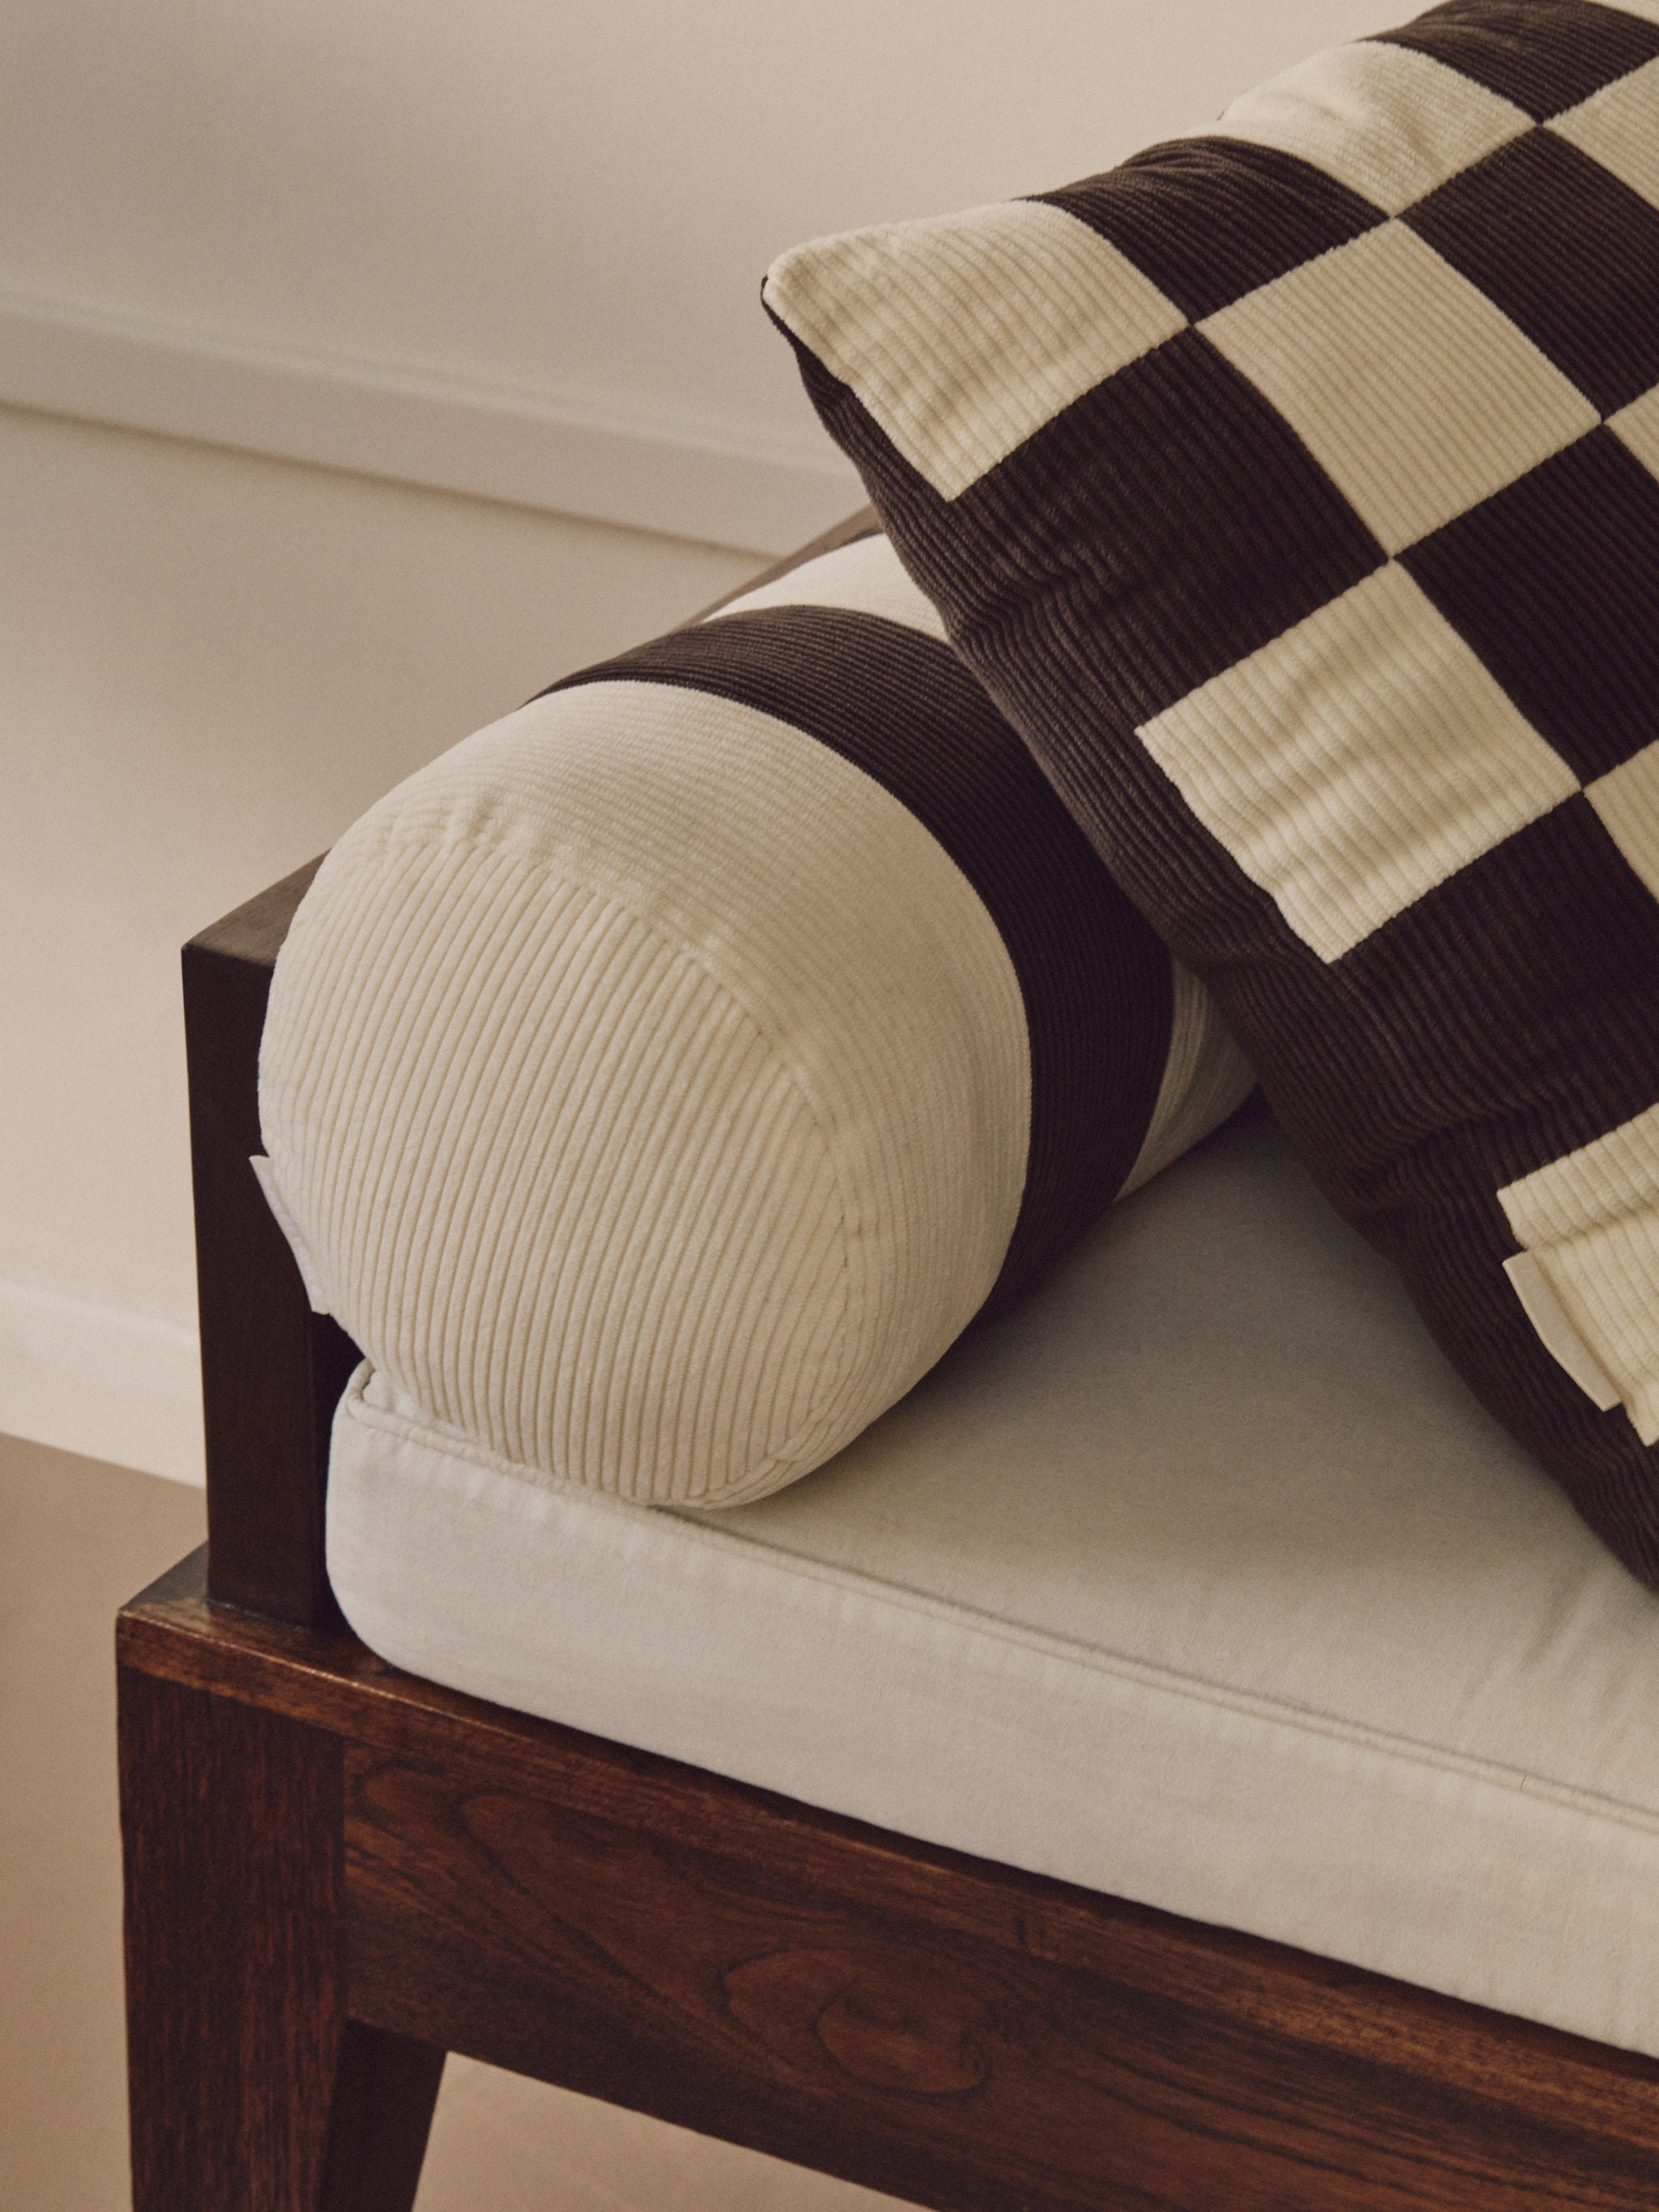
<point>109,1385</point>
<point>571,453</point>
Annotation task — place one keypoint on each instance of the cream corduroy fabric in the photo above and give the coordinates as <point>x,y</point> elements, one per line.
<point>651,1091</point>
<point>1327,593</point>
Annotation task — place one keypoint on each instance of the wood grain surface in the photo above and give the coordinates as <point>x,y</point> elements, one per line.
<point>249,2089</point>
<point>938,2026</point>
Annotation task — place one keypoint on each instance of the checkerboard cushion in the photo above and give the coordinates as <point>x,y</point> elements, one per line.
<point>657,1084</point>
<point>1295,490</point>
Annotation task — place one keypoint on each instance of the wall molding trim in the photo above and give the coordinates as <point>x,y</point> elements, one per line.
<point>569,452</point>
<point>106,1384</point>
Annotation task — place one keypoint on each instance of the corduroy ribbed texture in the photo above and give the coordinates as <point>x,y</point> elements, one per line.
<point>661,1080</point>
<point>1331,605</point>
<point>648,1086</point>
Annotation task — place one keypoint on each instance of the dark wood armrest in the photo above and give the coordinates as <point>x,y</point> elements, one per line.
<point>272,1370</point>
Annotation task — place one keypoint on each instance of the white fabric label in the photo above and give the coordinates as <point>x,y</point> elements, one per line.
<point>1556,1332</point>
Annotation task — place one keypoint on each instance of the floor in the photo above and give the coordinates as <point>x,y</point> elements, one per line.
<point>78,1537</point>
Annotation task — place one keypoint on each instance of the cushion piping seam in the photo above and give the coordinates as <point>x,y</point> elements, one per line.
<point>1142,1674</point>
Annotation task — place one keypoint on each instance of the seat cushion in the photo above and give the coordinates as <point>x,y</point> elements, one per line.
<point>660,1081</point>
<point>1295,490</point>
<point>1198,1579</point>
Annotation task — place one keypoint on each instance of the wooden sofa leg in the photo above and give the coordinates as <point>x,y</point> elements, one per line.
<point>384,2088</point>
<point>251,2089</point>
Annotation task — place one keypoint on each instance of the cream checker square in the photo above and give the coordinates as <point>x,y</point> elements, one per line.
<point>1387,122</point>
<point>1618,127</point>
<point>1612,1174</point>
<point>962,335</point>
<point>1637,427</point>
<point>1627,801</point>
<point>1418,395</point>
<point>1358,760</point>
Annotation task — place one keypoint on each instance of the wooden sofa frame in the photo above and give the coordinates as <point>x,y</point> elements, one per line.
<point>336,1872</point>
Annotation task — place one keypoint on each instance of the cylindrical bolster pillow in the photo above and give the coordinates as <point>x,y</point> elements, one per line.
<point>662,1080</point>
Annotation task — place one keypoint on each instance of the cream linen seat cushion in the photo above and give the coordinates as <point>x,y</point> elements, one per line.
<point>1199,1579</point>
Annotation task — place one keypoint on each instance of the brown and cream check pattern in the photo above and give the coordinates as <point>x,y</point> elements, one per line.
<point>1295,488</point>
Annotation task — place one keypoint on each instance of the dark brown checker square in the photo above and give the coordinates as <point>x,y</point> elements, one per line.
<point>1199,527</point>
<point>1554,582</point>
<point>1515,999</point>
<point>1544,55</point>
<point>1210,219</point>
<point>1172,505</point>
<point>1510,1007</point>
<point>1563,249</point>
<point>1120,557</point>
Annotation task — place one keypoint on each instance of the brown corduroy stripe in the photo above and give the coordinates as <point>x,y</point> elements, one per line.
<point>1094,978</point>
<point>1544,55</point>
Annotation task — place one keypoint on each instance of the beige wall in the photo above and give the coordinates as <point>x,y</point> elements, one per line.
<point>516,247</point>
<point>208,664</point>
<point>506,248</point>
